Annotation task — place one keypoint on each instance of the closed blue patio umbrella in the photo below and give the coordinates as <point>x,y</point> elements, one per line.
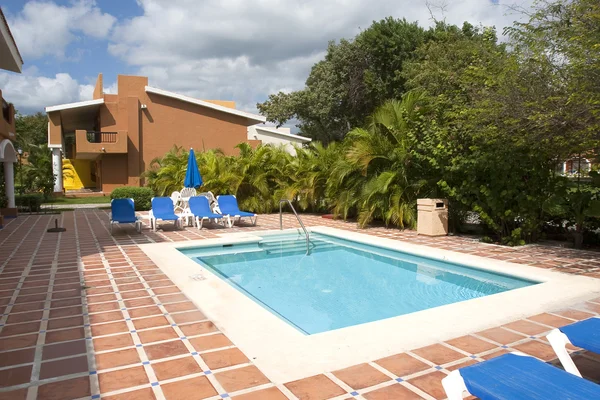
<point>192,175</point>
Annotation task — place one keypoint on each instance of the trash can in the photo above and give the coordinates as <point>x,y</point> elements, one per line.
<point>432,218</point>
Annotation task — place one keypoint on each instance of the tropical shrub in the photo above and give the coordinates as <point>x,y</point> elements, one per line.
<point>37,173</point>
<point>142,196</point>
<point>31,202</point>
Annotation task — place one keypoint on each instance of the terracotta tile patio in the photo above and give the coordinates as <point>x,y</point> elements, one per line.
<point>88,315</point>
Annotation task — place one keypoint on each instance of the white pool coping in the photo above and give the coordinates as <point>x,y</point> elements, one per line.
<point>284,354</point>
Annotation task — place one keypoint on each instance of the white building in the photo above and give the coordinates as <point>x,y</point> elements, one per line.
<point>277,137</point>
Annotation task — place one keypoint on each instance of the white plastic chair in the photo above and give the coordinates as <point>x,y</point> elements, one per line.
<point>176,198</point>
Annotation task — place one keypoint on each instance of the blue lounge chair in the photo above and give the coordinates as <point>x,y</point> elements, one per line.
<point>163,209</point>
<point>122,211</point>
<point>516,376</point>
<point>200,207</point>
<point>228,205</point>
<point>584,334</point>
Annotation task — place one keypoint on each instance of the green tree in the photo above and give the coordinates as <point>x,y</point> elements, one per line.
<point>355,78</point>
<point>32,130</point>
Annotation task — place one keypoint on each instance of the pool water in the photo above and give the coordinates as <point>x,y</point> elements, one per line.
<point>343,283</point>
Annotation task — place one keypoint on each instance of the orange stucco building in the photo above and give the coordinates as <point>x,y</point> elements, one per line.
<point>10,60</point>
<point>110,140</point>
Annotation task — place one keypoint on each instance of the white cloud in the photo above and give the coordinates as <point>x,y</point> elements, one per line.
<point>45,28</point>
<point>245,50</point>
<point>30,92</point>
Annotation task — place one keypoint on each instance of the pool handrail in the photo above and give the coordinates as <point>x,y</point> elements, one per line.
<point>299,220</point>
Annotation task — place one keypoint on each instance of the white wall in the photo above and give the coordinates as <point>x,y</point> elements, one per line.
<point>273,138</point>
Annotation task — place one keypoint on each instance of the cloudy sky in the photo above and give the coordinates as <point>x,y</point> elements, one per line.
<point>240,50</point>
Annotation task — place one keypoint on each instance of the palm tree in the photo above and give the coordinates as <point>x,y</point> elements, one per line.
<point>380,177</point>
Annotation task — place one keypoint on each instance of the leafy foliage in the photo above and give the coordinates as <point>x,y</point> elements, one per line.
<point>142,196</point>
<point>37,173</point>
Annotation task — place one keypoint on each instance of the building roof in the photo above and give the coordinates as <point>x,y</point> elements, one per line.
<point>79,104</point>
<point>274,131</point>
<point>187,99</point>
<point>10,58</point>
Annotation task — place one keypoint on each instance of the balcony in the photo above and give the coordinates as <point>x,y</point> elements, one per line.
<point>7,120</point>
<point>91,144</point>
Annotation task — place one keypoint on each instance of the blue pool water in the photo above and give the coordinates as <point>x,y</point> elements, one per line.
<point>343,283</point>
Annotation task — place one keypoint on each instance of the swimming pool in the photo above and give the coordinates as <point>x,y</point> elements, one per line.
<point>343,283</point>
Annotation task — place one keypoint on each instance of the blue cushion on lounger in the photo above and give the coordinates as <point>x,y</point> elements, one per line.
<point>584,334</point>
<point>514,377</point>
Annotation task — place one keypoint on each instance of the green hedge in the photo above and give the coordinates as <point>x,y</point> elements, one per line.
<point>29,202</point>
<point>142,196</point>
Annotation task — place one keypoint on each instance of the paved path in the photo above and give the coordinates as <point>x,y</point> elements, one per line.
<point>85,314</point>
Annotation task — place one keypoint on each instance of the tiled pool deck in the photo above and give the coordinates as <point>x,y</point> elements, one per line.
<point>88,315</point>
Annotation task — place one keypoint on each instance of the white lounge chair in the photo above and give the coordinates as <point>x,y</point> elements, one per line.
<point>584,334</point>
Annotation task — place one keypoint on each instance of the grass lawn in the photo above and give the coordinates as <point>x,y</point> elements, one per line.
<point>80,200</point>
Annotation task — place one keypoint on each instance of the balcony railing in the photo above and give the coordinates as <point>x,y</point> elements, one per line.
<point>101,137</point>
<point>6,111</point>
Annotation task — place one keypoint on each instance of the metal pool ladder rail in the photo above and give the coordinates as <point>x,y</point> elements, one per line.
<point>299,220</point>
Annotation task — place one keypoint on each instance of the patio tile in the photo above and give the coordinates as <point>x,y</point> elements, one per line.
<point>438,354</point>
<point>17,329</point>
<point>100,307</point>
<point>38,305</point>
<point>156,335</point>
<point>122,379</point>
<point>106,317</point>
<point>224,358</point>
<point>536,349</point>
<point>471,344</point>
<point>241,378</point>
<point>64,322</point>
<point>113,342</point>
<point>361,376</point>
<point>171,298</point>
<point>176,307</point>
<point>266,394</point>
<point>167,290</point>
<point>462,365</point>
<point>110,328</point>
<point>25,317</point>
<point>167,349</point>
<point>103,298</point>
<point>17,342</point>
<point>144,301</point>
<point>65,349</point>
<point>194,388</point>
<point>593,307</point>
<point>67,366</point>
<point>134,294</point>
<point>526,327</point>
<point>574,314</point>
<point>17,357</point>
<point>392,392</point>
<point>141,394</point>
<point>198,328</point>
<point>63,390</point>
<point>590,369</point>
<point>19,394</point>
<point>495,354</point>
<point>215,341</point>
<point>64,335</point>
<point>175,368</point>
<point>402,364</point>
<point>501,335</point>
<point>117,358</point>
<point>65,303</point>
<point>431,384</point>
<point>192,316</point>
<point>551,320</point>
<point>144,311</point>
<point>65,311</point>
<point>150,322</point>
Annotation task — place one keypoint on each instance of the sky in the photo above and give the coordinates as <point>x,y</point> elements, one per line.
<point>240,50</point>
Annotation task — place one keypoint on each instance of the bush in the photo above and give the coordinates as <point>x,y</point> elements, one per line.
<point>142,196</point>
<point>31,202</point>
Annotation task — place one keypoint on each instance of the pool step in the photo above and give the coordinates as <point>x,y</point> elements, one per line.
<point>296,246</point>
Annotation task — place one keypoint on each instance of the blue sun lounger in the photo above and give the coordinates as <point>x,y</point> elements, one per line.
<point>163,209</point>
<point>516,376</point>
<point>584,334</point>
<point>200,207</point>
<point>228,205</point>
<point>122,211</point>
